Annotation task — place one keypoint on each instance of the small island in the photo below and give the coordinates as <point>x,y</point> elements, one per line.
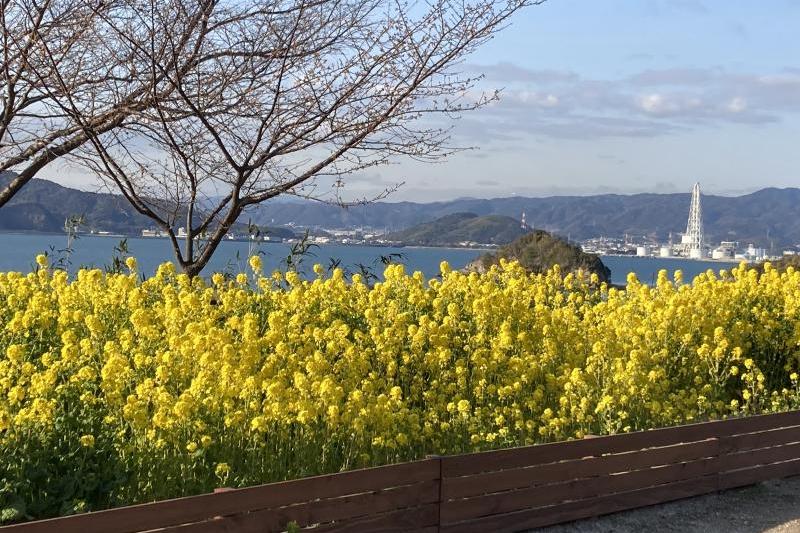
<point>538,251</point>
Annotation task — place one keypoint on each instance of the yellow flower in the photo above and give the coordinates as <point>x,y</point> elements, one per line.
<point>130,262</point>
<point>282,372</point>
<point>255,263</point>
<point>463,406</point>
<point>222,470</point>
<point>41,260</point>
<point>87,441</point>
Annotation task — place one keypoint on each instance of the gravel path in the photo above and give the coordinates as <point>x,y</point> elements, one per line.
<point>771,507</point>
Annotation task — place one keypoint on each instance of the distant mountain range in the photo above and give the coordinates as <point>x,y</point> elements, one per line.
<point>461,227</point>
<point>43,206</point>
<point>768,218</point>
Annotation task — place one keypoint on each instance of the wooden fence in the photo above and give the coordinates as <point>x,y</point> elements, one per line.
<point>506,490</point>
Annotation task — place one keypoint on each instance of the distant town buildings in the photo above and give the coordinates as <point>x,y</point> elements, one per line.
<point>726,251</point>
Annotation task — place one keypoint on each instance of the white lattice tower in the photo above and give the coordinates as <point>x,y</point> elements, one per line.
<point>694,227</point>
<point>524,225</point>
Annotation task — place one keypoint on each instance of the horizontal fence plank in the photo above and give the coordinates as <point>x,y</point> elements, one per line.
<point>323,512</point>
<point>198,508</point>
<point>461,465</point>
<point>749,476</point>
<point>383,501</point>
<point>217,525</point>
<point>532,518</point>
<point>397,521</point>
<point>415,519</point>
<point>489,482</point>
<point>419,518</point>
<point>546,495</point>
<point>760,439</point>
<point>750,424</point>
<point>761,456</point>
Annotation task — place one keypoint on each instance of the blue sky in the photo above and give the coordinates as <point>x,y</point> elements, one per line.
<point>623,96</point>
<point>629,96</point>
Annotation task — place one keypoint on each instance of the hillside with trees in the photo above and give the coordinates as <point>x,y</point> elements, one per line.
<point>462,227</point>
<point>43,206</point>
<point>538,251</point>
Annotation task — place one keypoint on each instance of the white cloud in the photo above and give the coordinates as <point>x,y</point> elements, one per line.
<point>550,100</point>
<point>533,98</point>
<point>780,80</point>
<point>655,103</point>
<point>650,103</point>
<point>737,105</point>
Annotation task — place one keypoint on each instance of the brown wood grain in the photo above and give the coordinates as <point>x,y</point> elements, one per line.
<point>505,502</point>
<point>761,456</point>
<point>748,476</point>
<point>419,518</point>
<point>461,465</point>
<point>469,464</point>
<point>323,512</point>
<point>532,518</point>
<point>402,520</point>
<point>489,482</point>
<point>749,424</point>
<point>760,439</point>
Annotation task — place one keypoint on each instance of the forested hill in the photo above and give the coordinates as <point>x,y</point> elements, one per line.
<point>538,251</point>
<point>461,227</point>
<point>763,216</point>
<point>43,205</point>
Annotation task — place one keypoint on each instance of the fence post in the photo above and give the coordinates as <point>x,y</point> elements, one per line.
<point>438,459</point>
<point>718,434</point>
<point>219,490</point>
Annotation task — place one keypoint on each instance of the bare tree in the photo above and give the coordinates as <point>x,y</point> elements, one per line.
<point>299,91</point>
<point>73,66</point>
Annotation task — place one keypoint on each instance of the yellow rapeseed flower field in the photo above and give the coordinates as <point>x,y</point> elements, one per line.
<point>115,390</point>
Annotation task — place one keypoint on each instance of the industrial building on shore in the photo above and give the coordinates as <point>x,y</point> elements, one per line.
<point>692,243</point>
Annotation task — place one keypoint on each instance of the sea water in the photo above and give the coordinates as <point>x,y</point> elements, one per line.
<point>18,251</point>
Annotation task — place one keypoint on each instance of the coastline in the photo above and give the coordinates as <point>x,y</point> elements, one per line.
<point>676,258</point>
<point>421,247</point>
